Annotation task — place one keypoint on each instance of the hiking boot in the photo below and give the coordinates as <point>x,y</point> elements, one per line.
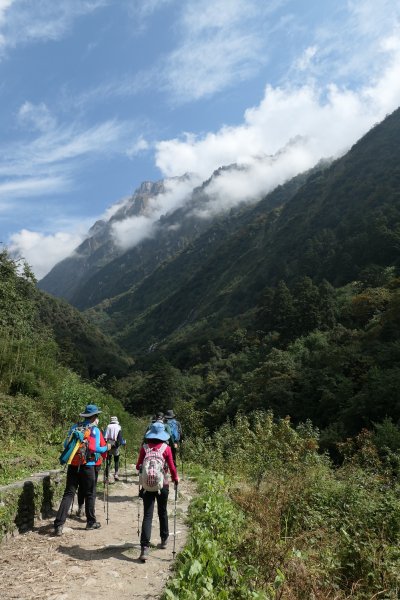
<point>116,477</point>
<point>93,525</point>
<point>58,530</point>
<point>144,554</point>
<point>79,512</point>
<point>164,543</point>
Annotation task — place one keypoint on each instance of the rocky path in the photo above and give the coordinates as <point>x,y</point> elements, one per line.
<point>40,566</point>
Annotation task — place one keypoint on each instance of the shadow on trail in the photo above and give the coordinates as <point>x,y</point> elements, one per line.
<point>49,528</point>
<point>112,551</point>
<point>120,498</point>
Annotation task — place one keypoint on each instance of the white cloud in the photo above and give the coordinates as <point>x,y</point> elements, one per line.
<point>32,186</point>
<point>43,251</point>
<point>140,145</point>
<point>52,154</point>
<point>23,22</point>
<point>305,60</point>
<point>144,8</point>
<point>221,44</point>
<point>255,179</point>
<point>132,230</point>
<point>328,118</point>
<point>37,116</point>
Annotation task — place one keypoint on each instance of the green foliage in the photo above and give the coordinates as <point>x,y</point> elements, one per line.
<point>38,396</point>
<point>306,530</point>
<point>208,567</point>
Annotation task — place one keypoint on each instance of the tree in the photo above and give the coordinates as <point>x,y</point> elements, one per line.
<point>163,386</point>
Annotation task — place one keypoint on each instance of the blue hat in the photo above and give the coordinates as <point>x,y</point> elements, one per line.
<point>157,432</point>
<point>90,411</point>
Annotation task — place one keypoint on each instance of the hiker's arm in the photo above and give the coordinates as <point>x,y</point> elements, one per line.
<point>142,454</point>
<point>103,443</point>
<point>98,447</point>
<point>170,462</point>
<point>119,439</point>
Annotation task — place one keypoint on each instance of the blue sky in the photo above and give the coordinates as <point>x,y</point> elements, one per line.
<point>100,95</point>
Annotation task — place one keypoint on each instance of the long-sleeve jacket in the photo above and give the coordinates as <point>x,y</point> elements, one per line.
<point>167,454</point>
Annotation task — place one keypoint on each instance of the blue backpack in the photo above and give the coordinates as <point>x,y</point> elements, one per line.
<point>175,434</point>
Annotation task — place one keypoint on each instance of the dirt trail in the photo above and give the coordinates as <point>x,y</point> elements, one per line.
<point>40,566</point>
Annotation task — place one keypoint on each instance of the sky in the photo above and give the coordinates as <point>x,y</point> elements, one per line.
<point>97,96</point>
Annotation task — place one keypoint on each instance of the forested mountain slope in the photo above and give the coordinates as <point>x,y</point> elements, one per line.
<point>344,220</point>
<point>101,269</point>
<point>82,346</point>
<point>39,393</point>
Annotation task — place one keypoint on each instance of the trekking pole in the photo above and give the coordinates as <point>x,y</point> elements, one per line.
<point>176,497</point>
<point>104,485</point>
<point>108,493</point>
<point>181,453</point>
<point>126,473</point>
<point>138,514</point>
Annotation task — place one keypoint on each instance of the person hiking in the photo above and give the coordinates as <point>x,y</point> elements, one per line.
<point>175,430</point>
<point>113,435</point>
<point>155,458</point>
<point>90,444</point>
<point>81,491</point>
<point>157,418</point>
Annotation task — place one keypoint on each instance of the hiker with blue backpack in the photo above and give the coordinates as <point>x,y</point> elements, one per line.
<point>83,447</point>
<point>154,461</point>
<point>174,428</point>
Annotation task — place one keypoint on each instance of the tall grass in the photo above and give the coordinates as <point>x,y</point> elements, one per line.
<point>311,530</point>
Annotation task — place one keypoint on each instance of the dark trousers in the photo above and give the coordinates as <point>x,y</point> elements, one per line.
<point>81,491</point>
<point>85,478</point>
<point>108,464</point>
<point>149,498</point>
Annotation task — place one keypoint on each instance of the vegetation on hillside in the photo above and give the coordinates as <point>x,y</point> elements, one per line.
<point>39,396</point>
<point>275,520</point>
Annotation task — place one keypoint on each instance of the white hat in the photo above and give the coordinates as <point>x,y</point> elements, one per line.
<point>114,420</point>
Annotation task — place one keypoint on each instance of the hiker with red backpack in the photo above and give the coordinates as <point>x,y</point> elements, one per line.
<point>82,449</point>
<point>155,459</point>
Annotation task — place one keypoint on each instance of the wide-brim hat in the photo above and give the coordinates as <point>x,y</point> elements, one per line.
<point>114,420</point>
<point>157,432</point>
<point>90,411</point>
<point>169,414</point>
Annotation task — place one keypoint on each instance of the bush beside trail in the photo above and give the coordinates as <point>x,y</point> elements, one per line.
<point>302,527</point>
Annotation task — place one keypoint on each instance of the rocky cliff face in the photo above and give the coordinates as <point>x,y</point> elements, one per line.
<point>99,248</point>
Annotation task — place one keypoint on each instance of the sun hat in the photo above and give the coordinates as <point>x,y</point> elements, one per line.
<point>157,432</point>
<point>114,420</point>
<point>90,411</point>
<point>169,414</point>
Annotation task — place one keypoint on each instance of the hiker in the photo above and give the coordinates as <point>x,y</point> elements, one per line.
<point>81,491</point>
<point>157,418</point>
<point>175,430</point>
<point>81,473</point>
<point>113,435</point>
<point>155,458</point>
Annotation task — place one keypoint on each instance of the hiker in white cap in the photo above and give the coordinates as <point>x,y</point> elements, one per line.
<point>113,435</point>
